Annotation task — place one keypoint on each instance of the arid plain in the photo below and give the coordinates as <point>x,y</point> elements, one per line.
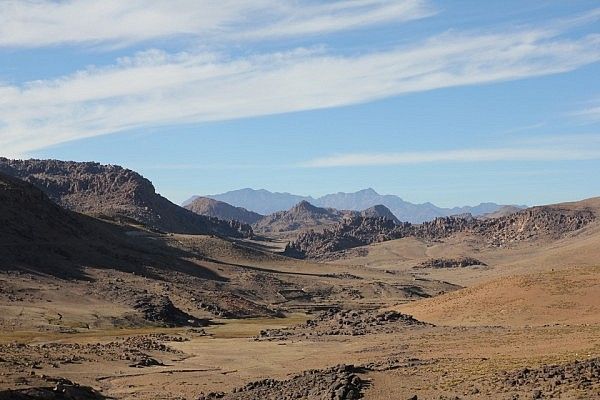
<point>114,308</point>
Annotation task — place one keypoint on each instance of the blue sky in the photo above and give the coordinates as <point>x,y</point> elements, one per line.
<point>453,102</point>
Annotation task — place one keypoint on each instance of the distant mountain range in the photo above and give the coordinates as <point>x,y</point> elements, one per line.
<point>264,202</point>
<point>302,216</point>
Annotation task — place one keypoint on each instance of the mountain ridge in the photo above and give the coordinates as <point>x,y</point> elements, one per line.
<point>265,202</point>
<point>552,221</point>
<point>116,193</point>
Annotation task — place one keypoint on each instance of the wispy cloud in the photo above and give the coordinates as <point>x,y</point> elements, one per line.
<point>553,148</point>
<point>35,23</point>
<point>155,87</point>
<point>591,113</point>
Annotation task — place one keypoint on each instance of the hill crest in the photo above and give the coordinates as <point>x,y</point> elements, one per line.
<point>116,193</point>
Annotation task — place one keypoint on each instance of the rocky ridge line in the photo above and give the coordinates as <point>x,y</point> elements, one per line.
<point>552,222</point>
<point>113,192</point>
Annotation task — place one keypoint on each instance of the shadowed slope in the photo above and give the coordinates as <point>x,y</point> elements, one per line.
<point>113,192</point>
<point>37,234</point>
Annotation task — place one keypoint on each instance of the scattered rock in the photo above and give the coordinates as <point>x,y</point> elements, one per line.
<point>337,383</point>
<point>335,322</point>
<point>460,262</point>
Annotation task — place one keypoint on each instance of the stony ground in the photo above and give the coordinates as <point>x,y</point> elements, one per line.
<point>335,322</point>
<point>337,383</point>
<point>524,327</point>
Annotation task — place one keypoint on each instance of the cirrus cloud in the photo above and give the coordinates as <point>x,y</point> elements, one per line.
<point>155,87</point>
<point>38,23</point>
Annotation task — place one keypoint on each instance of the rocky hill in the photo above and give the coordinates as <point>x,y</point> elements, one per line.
<point>116,193</point>
<point>544,222</point>
<point>379,211</point>
<point>300,217</point>
<point>222,210</point>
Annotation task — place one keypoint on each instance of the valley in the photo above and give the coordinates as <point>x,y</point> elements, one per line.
<point>111,305</point>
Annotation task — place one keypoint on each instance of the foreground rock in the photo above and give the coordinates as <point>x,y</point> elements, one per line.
<point>134,351</point>
<point>53,389</point>
<point>556,381</point>
<point>337,383</point>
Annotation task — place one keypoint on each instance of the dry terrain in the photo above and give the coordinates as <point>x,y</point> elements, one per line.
<point>141,314</point>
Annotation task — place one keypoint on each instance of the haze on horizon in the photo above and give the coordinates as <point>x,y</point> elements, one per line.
<point>453,103</point>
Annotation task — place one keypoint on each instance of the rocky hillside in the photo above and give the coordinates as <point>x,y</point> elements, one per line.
<point>545,222</point>
<point>379,211</point>
<point>27,215</point>
<point>551,222</point>
<point>302,216</point>
<point>37,233</point>
<point>305,216</point>
<point>221,210</point>
<point>116,193</point>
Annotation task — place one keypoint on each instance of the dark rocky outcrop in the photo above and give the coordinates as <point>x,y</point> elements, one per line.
<point>459,262</point>
<point>551,222</point>
<point>54,389</point>
<point>336,322</point>
<point>160,309</point>
<point>353,232</point>
<point>554,381</point>
<point>221,210</point>
<point>116,193</point>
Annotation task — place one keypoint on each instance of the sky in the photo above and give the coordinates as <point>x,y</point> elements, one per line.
<point>453,102</point>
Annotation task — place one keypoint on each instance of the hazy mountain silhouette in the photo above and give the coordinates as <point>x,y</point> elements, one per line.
<point>264,202</point>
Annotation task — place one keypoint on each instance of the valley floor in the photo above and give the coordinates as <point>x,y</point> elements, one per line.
<point>526,325</point>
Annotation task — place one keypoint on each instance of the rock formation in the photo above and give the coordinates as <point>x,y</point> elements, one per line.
<point>116,193</point>
<point>545,222</point>
<point>300,217</point>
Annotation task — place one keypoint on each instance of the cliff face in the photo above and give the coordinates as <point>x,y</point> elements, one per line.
<point>546,222</point>
<point>113,192</point>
